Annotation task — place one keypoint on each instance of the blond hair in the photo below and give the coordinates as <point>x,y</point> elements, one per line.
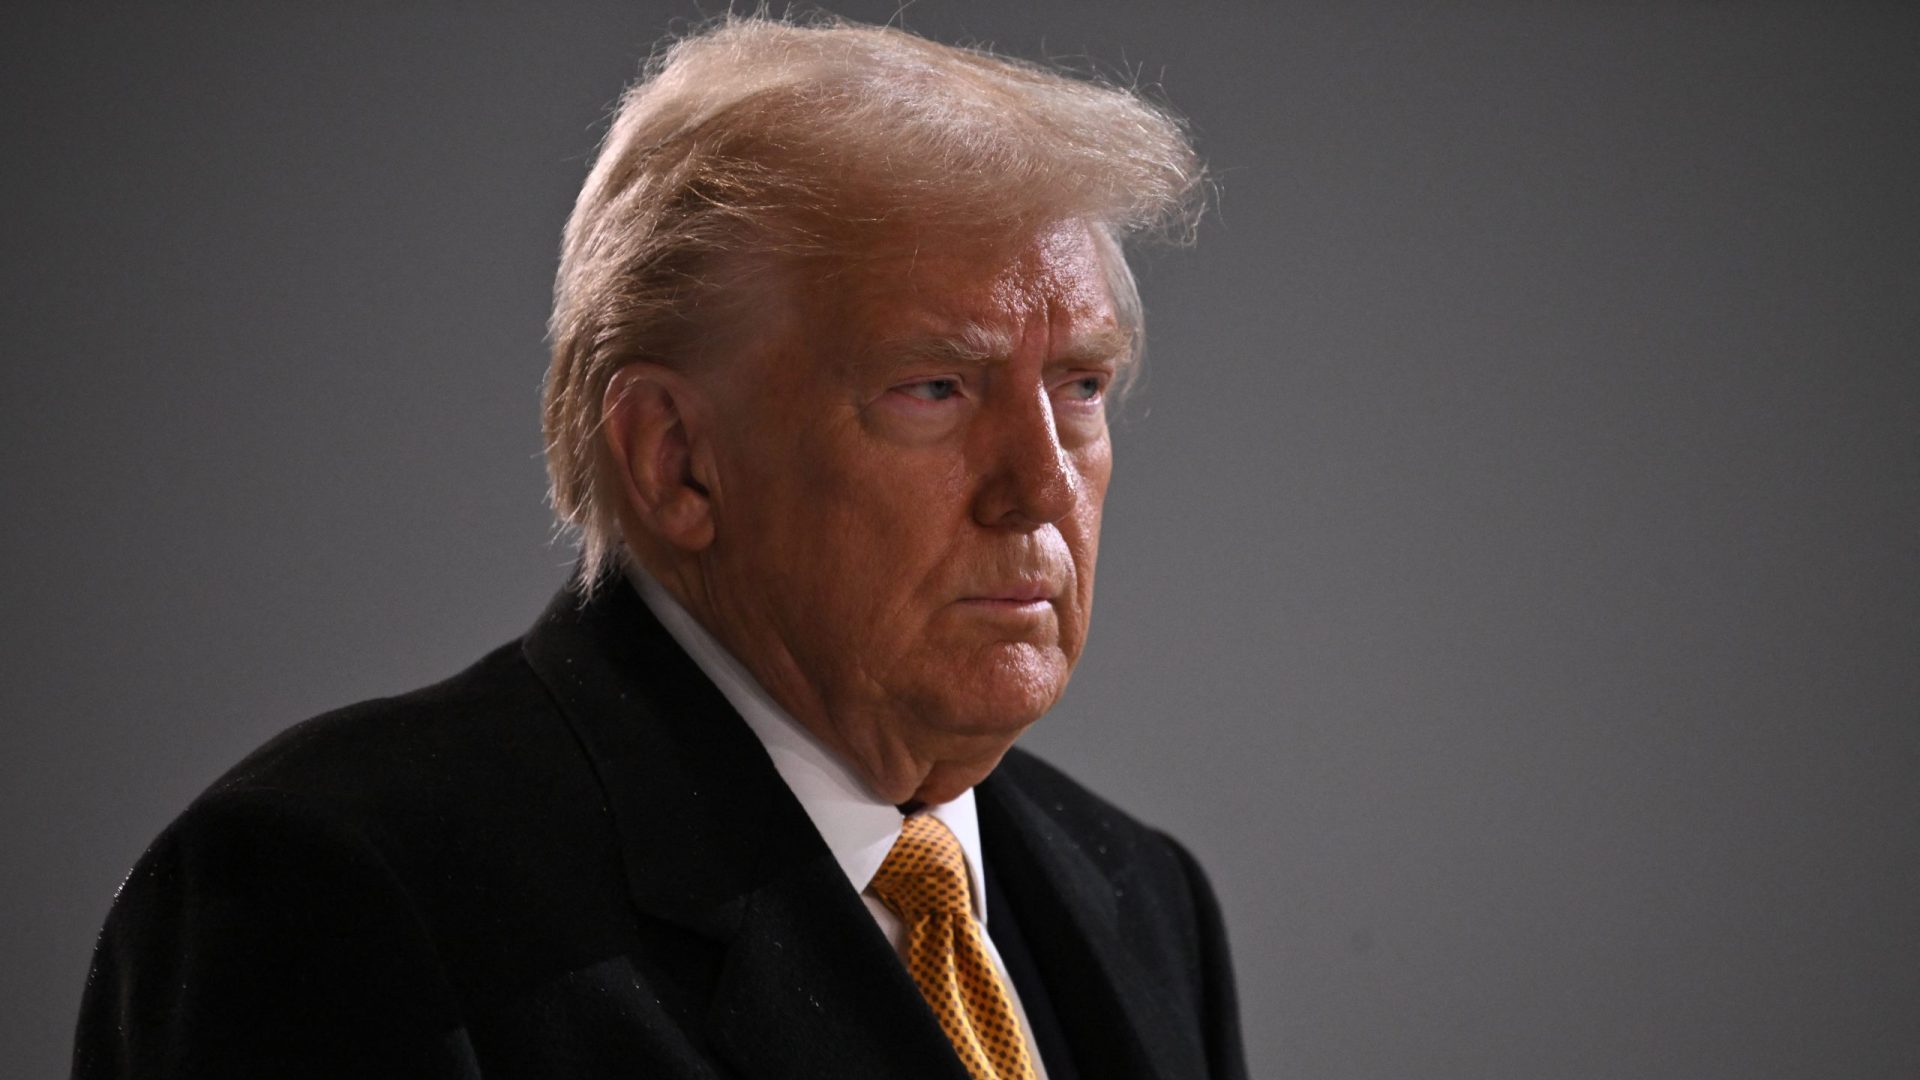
<point>763,137</point>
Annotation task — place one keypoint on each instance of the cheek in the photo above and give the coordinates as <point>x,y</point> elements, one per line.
<point>1096,468</point>
<point>873,532</point>
<point>1082,534</point>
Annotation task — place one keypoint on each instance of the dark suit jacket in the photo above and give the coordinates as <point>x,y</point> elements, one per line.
<point>574,860</point>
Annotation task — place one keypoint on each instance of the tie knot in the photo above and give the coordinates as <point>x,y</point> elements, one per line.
<point>926,872</point>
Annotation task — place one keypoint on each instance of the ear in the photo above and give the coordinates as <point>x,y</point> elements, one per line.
<point>650,419</point>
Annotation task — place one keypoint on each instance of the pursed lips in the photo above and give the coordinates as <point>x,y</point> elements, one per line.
<point>1015,595</point>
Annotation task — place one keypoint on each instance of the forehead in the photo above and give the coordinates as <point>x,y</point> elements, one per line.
<point>977,298</point>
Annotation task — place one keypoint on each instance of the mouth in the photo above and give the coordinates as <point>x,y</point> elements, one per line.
<point>1014,596</point>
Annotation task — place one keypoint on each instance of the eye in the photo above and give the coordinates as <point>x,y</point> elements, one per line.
<point>1085,387</point>
<point>931,389</point>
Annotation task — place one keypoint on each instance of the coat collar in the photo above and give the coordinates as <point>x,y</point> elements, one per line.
<point>714,842</point>
<point>858,826</point>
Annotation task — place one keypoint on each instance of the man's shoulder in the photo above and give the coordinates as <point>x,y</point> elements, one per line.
<point>469,801</point>
<point>468,777</point>
<point>374,871</point>
<point>447,737</point>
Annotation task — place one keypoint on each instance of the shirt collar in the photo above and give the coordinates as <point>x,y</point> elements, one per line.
<point>858,826</point>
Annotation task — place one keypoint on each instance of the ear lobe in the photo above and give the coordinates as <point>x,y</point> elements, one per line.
<point>649,420</point>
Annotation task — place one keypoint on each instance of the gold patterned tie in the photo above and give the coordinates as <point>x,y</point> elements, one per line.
<point>925,880</point>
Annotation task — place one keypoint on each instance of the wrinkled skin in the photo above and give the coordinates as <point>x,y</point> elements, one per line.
<point>896,534</point>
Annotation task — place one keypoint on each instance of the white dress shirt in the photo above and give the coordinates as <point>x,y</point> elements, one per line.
<point>858,826</point>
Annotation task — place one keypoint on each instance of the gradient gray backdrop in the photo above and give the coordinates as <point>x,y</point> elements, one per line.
<point>1510,583</point>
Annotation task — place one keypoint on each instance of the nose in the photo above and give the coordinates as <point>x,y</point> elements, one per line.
<point>1028,479</point>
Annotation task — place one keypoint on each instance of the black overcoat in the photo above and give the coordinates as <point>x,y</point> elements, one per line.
<point>573,859</point>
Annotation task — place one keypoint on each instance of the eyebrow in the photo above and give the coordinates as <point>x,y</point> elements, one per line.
<point>973,344</point>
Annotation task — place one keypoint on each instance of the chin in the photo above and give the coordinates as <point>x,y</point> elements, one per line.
<point>1004,693</point>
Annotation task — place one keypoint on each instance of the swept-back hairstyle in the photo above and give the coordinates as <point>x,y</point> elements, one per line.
<point>757,138</point>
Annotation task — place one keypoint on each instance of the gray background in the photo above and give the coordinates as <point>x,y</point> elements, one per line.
<point>1510,580</point>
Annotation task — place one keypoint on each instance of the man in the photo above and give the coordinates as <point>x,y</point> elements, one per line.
<point>837,317</point>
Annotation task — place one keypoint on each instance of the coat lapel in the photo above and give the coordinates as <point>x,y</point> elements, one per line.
<point>714,842</point>
<point>812,989</point>
<point>1106,999</point>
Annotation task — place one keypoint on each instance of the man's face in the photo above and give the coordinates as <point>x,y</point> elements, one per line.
<point>908,494</point>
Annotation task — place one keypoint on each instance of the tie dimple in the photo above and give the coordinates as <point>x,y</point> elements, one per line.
<point>925,880</point>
